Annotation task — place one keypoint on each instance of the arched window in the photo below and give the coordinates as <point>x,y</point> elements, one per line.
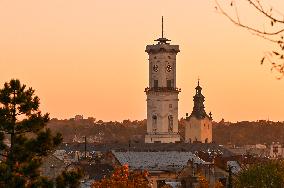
<point>154,123</point>
<point>171,123</point>
<point>206,140</point>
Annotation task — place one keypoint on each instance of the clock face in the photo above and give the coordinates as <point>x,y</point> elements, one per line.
<point>169,68</point>
<point>155,68</point>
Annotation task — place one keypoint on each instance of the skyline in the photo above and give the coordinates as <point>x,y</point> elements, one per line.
<point>89,58</point>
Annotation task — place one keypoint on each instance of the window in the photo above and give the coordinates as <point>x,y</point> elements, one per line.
<point>170,105</point>
<point>154,123</point>
<point>169,83</point>
<point>171,123</point>
<point>156,84</point>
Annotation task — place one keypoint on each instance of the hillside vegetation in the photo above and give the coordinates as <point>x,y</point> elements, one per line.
<point>239,133</point>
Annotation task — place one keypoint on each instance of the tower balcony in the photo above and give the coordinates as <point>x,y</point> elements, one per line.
<point>162,47</point>
<point>162,89</point>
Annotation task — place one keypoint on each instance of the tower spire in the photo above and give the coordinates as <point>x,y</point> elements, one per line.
<point>198,108</point>
<point>163,40</point>
<point>198,81</point>
<point>162,26</point>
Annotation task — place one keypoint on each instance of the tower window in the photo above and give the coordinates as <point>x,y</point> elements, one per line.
<point>171,123</point>
<point>169,84</point>
<point>154,123</point>
<point>156,84</point>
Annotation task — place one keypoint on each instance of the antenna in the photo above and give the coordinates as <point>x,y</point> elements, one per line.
<point>162,26</point>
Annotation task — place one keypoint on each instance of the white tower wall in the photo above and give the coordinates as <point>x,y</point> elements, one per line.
<point>162,94</point>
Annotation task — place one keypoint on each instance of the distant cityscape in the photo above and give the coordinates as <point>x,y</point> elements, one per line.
<point>175,152</point>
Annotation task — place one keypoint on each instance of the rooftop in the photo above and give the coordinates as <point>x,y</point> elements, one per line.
<point>156,161</point>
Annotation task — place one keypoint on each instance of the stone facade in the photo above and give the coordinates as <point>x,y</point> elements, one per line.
<point>276,151</point>
<point>162,93</point>
<point>198,125</point>
<point>198,130</point>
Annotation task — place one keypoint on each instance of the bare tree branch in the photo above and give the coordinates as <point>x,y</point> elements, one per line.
<point>260,9</point>
<point>275,58</point>
<point>246,26</point>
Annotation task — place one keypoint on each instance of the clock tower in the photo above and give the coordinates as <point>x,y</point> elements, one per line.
<point>162,93</point>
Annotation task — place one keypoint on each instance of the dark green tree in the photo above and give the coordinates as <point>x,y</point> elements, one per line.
<point>230,183</point>
<point>69,179</point>
<point>263,175</point>
<point>22,122</point>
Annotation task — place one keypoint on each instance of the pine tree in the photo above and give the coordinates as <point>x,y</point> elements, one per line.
<point>22,122</point>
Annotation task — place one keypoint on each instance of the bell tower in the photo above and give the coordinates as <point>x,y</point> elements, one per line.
<point>198,126</point>
<point>162,93</point>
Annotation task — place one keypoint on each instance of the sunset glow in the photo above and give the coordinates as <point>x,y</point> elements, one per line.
<point>88,57</point>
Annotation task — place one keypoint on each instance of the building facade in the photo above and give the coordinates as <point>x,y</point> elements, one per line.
<point>162,93</point>
<point>198,127</point>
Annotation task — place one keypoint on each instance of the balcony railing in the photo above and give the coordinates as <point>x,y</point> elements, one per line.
<point>163,89</point>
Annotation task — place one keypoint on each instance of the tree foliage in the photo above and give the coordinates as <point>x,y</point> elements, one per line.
<point>112,131</point>
<point>245,132</point>
<point>203,183</point>
<point>262,175</point>
<point>271,27</point>
<point>69,179</point>
<point>218,184</point>
<point>122,178</point>
<point>22,122</point>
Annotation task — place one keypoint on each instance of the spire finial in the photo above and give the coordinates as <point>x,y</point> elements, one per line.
<point>163,40</point>
<point>162,26</point>
<point>198,80</point>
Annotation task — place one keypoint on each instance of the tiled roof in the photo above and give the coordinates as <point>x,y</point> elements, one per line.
<point>139,147</point>
<point>156,161</point>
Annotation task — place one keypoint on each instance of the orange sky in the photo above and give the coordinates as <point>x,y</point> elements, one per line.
<point>87,57</point>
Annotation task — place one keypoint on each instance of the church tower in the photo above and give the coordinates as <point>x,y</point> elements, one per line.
<point>198,126</point>
<point>162,93</point>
